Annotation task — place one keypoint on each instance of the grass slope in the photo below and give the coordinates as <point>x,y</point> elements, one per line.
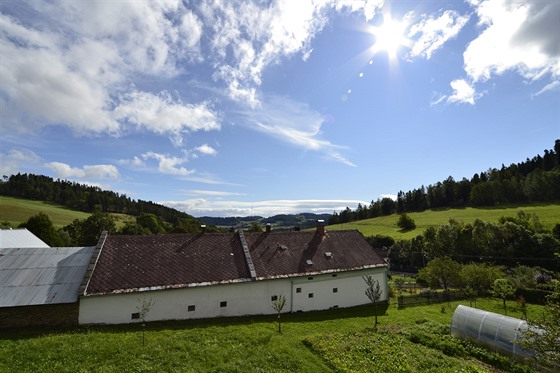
<point>549,215</point>
<point>16,211</point>
<point>324,341</point>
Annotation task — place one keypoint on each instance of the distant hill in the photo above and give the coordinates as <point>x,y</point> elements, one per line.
<point>282,221</point>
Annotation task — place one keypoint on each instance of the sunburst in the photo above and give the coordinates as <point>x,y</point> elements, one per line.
<point>389,36</point>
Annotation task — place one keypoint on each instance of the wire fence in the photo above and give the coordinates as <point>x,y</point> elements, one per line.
<point>430,297</point>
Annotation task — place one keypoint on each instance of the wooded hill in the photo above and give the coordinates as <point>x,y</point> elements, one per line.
<point>86,198</point>
<point>534,180</point>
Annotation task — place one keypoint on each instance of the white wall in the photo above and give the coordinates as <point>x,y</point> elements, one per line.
<point>350,290</point>
<point>248,298</point>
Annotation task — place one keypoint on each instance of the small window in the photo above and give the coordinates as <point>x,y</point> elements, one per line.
<point>223,304</point>
<point>310,295</point>
<point>310,278</point>
<point>298,290</point>
<point>274,298</point>
<point>135,316</point>
<point>335,290</point>
<point>191,308</point>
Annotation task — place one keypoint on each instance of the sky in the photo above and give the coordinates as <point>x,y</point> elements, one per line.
<point>236,108</point>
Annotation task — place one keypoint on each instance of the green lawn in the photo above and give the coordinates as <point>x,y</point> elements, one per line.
<point>311,342</point>
<point>549,216</point>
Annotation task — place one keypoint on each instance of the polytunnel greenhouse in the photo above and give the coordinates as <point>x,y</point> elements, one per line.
<point>497,333</point>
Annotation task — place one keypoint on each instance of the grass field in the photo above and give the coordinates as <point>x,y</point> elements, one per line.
<point>16,211</point>
<point>549,215</point>
<point>327,341</point>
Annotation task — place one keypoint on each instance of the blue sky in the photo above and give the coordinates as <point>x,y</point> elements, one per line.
<point>233,108</point>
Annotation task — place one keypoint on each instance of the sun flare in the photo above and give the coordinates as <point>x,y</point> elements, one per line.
<point>389,36</point>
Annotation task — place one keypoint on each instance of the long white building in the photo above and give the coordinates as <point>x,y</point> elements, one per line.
<point>187,276</point>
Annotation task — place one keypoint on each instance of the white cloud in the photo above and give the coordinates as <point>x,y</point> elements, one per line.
<point>91,53</point>
<point>168,164</point>
<point>555,85</point>
<point>248,37</point>
<point>212,193</point>
<point>519,36</point>
<point>95,54</point>
<point>463,92</point>
<point>294,123</point>
<point>14,160</point>
<point>64,170</point>
<point>163,115</point>
<point>205,149</point>
<point>434,32</point>
<point>203,206</point>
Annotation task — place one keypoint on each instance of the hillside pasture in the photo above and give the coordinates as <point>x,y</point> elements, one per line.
<point>549,216</point>
<point>16,211</point>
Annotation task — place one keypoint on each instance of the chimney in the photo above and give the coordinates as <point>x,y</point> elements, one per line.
<point>268,227</point>
<point>203,228</point>
<point>320,227</point>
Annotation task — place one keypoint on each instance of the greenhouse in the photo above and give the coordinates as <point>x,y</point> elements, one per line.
<point>496,332</point>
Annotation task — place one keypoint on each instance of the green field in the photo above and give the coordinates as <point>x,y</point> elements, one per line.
<point>327,341</point>
<point>549,216</point>
<point>16,211</point>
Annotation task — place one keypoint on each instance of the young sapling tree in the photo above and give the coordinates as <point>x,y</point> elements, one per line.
<point>278,304</point>
<point>373,292</point>
<point>143,308</point>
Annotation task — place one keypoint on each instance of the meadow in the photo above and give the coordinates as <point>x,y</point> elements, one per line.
<point>16,211</point>
<point>413,339</point>
<point>548,214</point>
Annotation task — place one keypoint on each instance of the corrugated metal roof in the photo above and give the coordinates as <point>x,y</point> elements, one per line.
<point>10,238</point>
<point>41,275</point>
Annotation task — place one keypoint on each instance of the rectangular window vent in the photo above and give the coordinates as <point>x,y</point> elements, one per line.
<point>223,304</point>
<point>191,308</point>
<point>298,290</point>
<point>310,295</point>
<point>135,316</point>
<point>274,298</point>
<point>335,290</point>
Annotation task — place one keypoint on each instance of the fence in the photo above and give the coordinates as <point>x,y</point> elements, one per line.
<point>429,297</point>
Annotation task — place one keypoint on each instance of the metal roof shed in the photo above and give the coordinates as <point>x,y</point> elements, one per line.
<point>39,276</point>
<point>10,238</point>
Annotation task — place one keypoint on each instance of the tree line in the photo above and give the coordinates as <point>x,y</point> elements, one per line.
<point>511,241</point>
<point>534,180</point>
<point>86,232</point>
<point>86,198</point>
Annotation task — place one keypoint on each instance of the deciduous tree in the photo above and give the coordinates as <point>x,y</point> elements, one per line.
<point>373,292</point>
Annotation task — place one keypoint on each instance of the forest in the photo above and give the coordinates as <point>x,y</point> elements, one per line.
<point>532,181</point>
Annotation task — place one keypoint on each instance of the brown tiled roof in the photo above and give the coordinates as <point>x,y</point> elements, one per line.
<point>132,263</point>
<point>278,254</point>
<point>129,263</point>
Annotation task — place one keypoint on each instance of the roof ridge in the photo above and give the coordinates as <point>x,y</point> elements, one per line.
<point>247,255</point>
<point>92,263</point>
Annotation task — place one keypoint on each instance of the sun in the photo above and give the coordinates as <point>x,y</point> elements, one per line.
<point>389,36</point>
